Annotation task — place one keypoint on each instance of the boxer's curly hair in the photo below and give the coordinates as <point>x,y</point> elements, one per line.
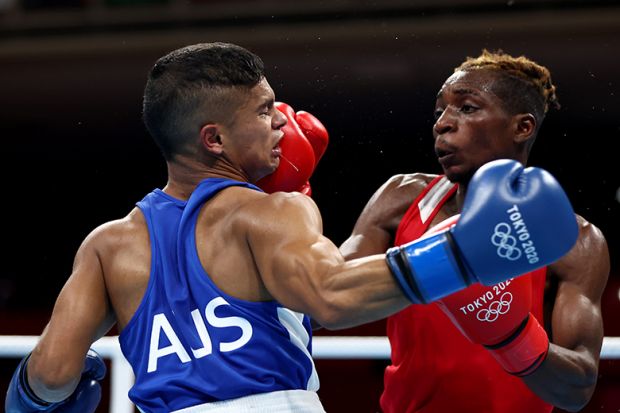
<point>192,86</point>
<point>523,85</point>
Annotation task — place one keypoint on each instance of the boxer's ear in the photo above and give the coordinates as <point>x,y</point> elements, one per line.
<point>524,127</point>
<point>211,139</point>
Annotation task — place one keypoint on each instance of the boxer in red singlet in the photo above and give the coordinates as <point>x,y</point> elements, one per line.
<point>490,108</point>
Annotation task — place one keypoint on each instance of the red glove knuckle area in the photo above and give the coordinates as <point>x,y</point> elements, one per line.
<point>304,143</point>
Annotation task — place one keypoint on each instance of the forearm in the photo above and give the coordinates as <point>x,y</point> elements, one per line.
<point>52,394</point>
<point>358,292</point>
<point>566,379</point>
<point>52,380</point>
<point>371,241</point>
<point>54,367</point>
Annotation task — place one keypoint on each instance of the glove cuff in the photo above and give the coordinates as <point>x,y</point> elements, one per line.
<point>27,390</point>
<point>525,350</point>
<point>20,397</point>
<point>428,269</point>
<point>402,273</point>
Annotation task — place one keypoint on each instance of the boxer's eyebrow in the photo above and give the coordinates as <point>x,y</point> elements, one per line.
<point>466,91</point>
<point>266,103</point>
<point>460,91</point>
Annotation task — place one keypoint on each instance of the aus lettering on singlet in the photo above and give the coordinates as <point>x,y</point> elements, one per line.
<point>162,325</point>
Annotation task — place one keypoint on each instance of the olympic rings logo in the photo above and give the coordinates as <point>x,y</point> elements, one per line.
<point>506,244</point>
<point>496,308</point>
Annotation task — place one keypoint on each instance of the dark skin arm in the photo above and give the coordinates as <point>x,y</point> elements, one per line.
<point>576,323</point>
<point>376,226</point>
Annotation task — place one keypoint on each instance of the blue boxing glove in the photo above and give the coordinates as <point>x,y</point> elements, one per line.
<point>514,220</point>
<point>21,399</point>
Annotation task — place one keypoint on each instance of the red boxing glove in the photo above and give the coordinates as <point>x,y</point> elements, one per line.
<point>499,318</point>
<point>303,145</point>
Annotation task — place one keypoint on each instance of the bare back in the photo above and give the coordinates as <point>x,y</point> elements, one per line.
<point>124,249</point>
<point>221,233</point>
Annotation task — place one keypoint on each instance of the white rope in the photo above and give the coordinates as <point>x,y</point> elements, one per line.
<point>353,347</point>
<point>324,347</point>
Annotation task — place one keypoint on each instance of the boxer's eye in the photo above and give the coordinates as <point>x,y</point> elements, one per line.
<point>468,108</point>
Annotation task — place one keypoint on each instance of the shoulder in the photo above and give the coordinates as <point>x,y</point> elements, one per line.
<point>277,220</point>
<point>587,263</point>
<point>403,186</point>
<point>117,235</point>
<point>397,194</point>
<point>269,212</point>
<point>409,182</point>
<point>281,205</point>
<point>589,230</point>
<point>385,209</point>
<point>590,242</point>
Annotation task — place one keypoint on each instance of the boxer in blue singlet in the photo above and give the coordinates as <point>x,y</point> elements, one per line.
<point>209,278</point>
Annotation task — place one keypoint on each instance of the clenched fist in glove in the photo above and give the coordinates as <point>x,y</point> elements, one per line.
<point>20,398</point>
<point>301,148</point>
<point>499,318</point>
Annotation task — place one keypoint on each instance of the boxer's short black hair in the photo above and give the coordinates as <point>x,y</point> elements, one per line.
<point>186,86</point>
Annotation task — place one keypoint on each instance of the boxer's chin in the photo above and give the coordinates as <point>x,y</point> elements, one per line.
<point>275,161</point>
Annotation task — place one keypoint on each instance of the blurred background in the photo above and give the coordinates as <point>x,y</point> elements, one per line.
<point>76,153</point>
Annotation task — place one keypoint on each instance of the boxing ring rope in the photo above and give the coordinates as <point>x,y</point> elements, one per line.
<point>324,347</point>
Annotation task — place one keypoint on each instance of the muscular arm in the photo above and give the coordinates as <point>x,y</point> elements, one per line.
<point>376,226</point>
<point>568,376</point>
<point>305,272</point>
<point>81,315</point>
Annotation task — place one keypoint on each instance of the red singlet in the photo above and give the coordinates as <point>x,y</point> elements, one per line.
<point>435,368</point>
